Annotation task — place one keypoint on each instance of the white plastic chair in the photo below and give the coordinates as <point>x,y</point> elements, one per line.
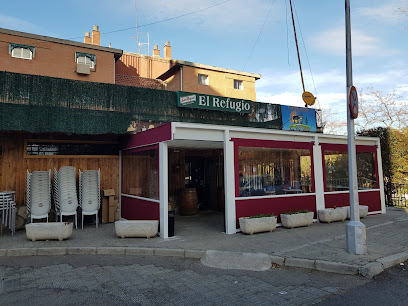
<point>8,211</point>
<point>89,193</point>
<point>38,194</point>
<point>65,192</point>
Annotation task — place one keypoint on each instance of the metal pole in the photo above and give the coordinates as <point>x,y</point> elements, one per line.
<point>297,47</point>
<point>355,230</point>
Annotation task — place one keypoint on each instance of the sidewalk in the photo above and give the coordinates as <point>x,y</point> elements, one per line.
<point>320,246</point>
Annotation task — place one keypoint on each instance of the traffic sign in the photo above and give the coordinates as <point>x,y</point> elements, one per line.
<point>353,102</point>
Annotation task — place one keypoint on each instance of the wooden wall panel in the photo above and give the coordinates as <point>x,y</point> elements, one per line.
<point>13,166</point>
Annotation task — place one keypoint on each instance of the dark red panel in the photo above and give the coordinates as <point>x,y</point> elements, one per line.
<point>138,209</point>
<point>372,199</point>
<point>276,205</point>
<point>155,135</point>
<point>343,147</point>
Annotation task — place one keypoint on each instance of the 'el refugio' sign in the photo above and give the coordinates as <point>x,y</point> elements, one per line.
<point>194,100</point>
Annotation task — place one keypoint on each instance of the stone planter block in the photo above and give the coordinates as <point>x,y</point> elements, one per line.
<point>297,220</point>
<point>257,225</point>
<point>332,214</point>
<point>48,231</point>
<point>137,228</point>
<point>363,211</point>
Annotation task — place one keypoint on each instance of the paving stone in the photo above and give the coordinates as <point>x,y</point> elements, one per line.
<point>196,254</point>
<point>111,251</point>
<point>51,251</point>
<point>139,251</point>
<point>279,260</point>
<point>81,251</point>
<point>3,252</point>
<point>393,260</point>
<point>236,260</point>
<point>22,252</point>
<point>336,267</point>
<point>169,252</point>
<point>372,269</point>
<point>300,263</point>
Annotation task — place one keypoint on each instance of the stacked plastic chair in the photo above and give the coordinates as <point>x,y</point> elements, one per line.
<point>38,194</point>
<point>90,193</point>
<point>8,211</point>
<point>65,192</point>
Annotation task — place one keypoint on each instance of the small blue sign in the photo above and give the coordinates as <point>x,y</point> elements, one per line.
<point>300,119</point>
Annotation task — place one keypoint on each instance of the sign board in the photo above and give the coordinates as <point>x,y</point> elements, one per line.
<point>201,101</point>
<point>353,102</point>
<point>300,119</point>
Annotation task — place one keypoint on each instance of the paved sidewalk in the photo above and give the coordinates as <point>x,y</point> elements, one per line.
<point>320,246</point>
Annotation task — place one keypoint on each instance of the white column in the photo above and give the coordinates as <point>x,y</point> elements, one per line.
<point>164,183</point>
<point>318,175</point>
<point>229,185</point>
<point>120,184</point>
<point>380,176</point>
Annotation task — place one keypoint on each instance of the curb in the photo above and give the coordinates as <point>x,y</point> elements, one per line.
<point>368,271</point>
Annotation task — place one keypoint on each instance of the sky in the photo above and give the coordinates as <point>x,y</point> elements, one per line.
<point>254,36</point>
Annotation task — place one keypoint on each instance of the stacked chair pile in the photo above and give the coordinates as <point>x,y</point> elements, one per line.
<point>89,193</point>
<point>38,194</point>
<point>8,211</point>
<point>65,192</point>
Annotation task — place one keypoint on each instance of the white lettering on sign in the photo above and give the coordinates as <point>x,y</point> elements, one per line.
<point>202,101</point>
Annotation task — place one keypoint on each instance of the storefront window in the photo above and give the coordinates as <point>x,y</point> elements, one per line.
<point>266,171</point>
<point>336,168</point>
<point>140,172</point>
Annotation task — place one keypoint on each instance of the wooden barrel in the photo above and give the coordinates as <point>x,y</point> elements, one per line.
<point>188,205</point>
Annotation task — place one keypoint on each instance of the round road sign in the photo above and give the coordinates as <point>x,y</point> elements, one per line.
<point>353,102</point>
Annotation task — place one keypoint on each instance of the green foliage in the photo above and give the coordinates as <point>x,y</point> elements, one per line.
<point>259,216</point>
<point>70,106</point>
<point>300,211</point>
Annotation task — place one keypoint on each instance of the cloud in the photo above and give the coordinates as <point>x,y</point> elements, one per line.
<point>334,41</point>
<point>227,16</point>
<point>385,13</point>
<point>17,24</point>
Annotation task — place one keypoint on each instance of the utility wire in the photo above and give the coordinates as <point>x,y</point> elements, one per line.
<point>307,57</point>
<point>259,34</point>
<point>164,20</point>
<point>287,30</point>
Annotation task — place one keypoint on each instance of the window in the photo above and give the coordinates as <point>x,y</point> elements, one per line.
<point>203,79</point>
<point>270,171</point>
<point>22,51</point>
<point>140,172</point>
<point>86,59</point>
<point>336,170</point>
<point>238,84</point>
<point>71,148</point>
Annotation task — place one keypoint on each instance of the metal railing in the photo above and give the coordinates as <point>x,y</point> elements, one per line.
<point>396,194</point>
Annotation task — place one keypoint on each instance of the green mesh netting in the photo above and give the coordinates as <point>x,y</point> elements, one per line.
<point>44,104</point>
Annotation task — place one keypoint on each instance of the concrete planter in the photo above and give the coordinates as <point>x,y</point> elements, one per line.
<point>136,228</point>
<point>363,211</point>
<point>297,220</point>
<point>257,225</point>
<point>332,214</point>
<point>48,231</point>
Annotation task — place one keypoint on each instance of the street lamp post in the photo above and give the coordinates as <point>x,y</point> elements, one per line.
<point>355,230</point>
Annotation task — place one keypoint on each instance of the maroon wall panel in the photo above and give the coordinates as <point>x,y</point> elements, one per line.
<point>276,205</point>
<point>152,136</point>
<point>370,198</point>
<point>138,209</point>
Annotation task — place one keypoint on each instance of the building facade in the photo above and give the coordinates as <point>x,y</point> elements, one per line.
<point>47,56</point>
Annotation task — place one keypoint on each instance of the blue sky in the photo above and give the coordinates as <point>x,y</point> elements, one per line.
<point>225,34</point>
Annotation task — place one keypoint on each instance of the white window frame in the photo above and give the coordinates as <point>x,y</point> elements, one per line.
<point>206,80</point>
<point>239,84</point>
<point>22,49</point>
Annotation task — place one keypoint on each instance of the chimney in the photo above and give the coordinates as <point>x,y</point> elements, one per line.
<point>96,36</point>
<point>156,51</point>
<point>167,50</point>
<point>87,38</point>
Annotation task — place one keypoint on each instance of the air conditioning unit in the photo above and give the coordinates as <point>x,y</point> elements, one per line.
<point>83,69</point>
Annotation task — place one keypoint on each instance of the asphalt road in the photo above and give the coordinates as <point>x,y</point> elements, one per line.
<point>387,288</point>
<point>137,280</point>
